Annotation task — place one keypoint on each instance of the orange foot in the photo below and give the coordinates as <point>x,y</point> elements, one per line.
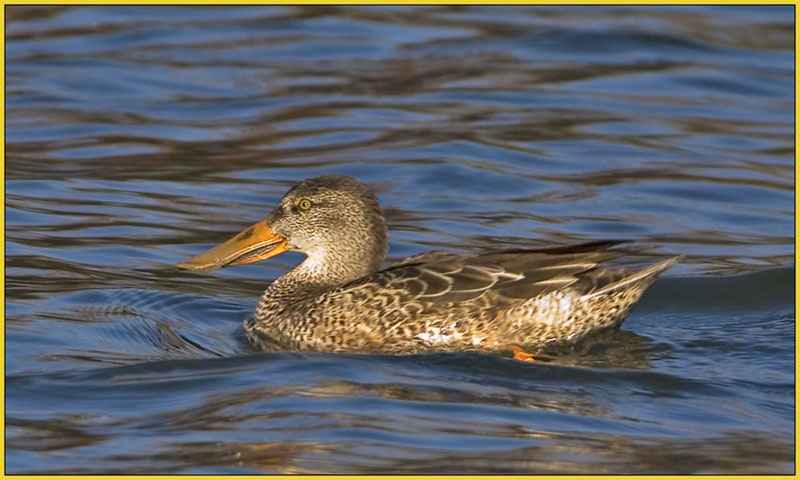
<point>520,354</point>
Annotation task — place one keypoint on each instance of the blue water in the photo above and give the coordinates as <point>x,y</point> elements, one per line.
<point>139,136</point>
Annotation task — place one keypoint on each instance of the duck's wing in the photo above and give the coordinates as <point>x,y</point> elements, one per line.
<point>450,277</point>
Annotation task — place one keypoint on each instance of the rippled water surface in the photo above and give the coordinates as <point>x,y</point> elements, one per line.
<point>138,136</point>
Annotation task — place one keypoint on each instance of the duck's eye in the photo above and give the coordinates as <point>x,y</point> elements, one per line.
<point>304,204</point>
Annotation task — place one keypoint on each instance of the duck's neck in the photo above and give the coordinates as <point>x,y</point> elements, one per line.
<point>327,268</point>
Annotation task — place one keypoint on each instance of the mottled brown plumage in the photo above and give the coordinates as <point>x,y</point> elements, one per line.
<point>338,300</point>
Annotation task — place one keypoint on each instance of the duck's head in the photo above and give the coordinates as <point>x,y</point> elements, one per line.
<point>334,219</point>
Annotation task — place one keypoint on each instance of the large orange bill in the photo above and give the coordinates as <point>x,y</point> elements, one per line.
<point>254,244</point>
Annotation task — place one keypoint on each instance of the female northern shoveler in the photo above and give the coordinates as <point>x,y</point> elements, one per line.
<point>339,300</point>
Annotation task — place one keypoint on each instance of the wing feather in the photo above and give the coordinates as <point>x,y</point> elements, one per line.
<point>449,277</point>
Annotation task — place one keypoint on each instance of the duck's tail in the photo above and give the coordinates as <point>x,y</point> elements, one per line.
<point>640,278</point>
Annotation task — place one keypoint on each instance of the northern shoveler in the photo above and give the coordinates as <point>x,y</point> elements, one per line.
<point>340,300</point>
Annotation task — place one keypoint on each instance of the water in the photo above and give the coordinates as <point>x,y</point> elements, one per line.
<point>139,136</point>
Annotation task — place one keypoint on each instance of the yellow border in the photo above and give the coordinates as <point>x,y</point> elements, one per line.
<point>796,137</point>
<point>391,2</point>
<point>3,217</point>
<point>409,2</point>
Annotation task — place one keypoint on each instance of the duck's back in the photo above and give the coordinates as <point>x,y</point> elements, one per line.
<point>445,301</point>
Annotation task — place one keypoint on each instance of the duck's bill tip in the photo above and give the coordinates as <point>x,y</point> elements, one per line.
<point>254,244</point>
<point>190,264</point>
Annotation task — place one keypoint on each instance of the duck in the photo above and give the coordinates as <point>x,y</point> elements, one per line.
<point>341,299</point>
